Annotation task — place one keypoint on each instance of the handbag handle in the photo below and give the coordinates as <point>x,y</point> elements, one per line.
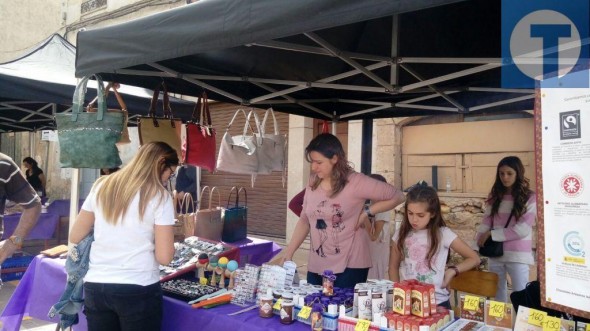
<point>203,115</point>
<point>187,201</point>
<point>107,89</point>
<point>165,105</point>
<point>237,190</point>
<point>214,189</point>
<point>246,125</point>
<point>80,93</point>
<point>263,125</point>
<point>203,197</point>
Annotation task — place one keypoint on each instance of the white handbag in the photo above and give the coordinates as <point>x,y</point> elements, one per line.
<point>278,152</point>
<point>237,154</point>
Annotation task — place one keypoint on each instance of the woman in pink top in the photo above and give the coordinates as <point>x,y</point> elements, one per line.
<point>510,200</point>
<point>333,212</point>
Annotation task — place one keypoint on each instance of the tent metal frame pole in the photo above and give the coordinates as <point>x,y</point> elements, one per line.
<point>38,112</point>
<point>434,88</point>
<point>443,78</point>
<point>176,74</point>
<point>295,101</point>
<point>495,90</point>
<point>369,110</point>
<point>405,105</point>
<point>503,102</point>
<point>449,60</point>
<point>426,97</point>
<point>337,52</point>
<point>318,50</point>
<point>323,80</point>
<point>32,112</point>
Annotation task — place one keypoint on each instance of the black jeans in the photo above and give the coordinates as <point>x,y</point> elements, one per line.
<point>123,307</point>
<point>348,278</point>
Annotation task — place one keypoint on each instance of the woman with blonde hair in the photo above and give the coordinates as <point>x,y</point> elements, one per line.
<point>132,215</point>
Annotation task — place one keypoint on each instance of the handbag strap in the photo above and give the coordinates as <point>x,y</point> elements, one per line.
<point>187,202</point>
<point>237,190</point>
<point>201,114</point>
<point>80,94</point>
<point>107,89</point>
<point>508,222</point>
<point>165,105</point>
<point>263,125</point>
<point>203,197</point>
<point>214,189</point>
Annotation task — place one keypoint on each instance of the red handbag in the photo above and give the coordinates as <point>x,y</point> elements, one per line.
<point>200,137</point>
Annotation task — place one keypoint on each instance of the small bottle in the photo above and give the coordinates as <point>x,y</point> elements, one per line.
<point>317,322</point>
<point>448,186</point>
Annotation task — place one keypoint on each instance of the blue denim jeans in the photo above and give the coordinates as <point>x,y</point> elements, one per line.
<point>348,278</point>
<point>123,307</point>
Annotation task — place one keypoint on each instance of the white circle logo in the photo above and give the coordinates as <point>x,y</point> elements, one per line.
<point>527,51</point>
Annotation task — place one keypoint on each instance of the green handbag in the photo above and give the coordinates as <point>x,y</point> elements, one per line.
<point>88,140</point>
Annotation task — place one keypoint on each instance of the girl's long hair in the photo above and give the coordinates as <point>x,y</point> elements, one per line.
<point>427,195</point>
<point>142,174</point>
<point>520,189</point>
<point>328,145</point>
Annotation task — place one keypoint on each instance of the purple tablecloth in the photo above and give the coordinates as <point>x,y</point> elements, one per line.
<point>62,207</point>
<point>256,251</point>
<point>44,228</point>
<point>45,280</point>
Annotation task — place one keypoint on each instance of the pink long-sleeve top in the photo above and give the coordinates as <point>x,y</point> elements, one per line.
<point>518,236</point>
<point>335,245</point>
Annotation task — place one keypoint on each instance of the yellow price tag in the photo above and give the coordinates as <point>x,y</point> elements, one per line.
<point>304,312</point>
<point>551,323</point>
<point>497,309</point>
<point>277,304</point>
<point>471,303</point>
<point>362,325</point>
<point>536,317</point>
<point>587,326</point>
<point>203,281</point>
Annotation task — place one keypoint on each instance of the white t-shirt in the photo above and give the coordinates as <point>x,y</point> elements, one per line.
<point>124,253</point>
<point>415,264</point>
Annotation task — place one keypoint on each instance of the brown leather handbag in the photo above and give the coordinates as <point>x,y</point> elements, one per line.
<point>91,109</point>
<point>166,128</point>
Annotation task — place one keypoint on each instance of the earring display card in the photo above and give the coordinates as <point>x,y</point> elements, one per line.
<point>187,252</point>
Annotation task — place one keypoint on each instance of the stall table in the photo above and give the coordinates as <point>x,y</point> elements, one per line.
<point>256,251</point>
<point>44,229</point>
<point>45,280</point>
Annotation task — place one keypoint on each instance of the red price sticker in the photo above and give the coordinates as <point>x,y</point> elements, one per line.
<point>362,325</point>
<point>471,303</point>
<point>536,317</point>
<point>304,312</point>
<point>497,309</point>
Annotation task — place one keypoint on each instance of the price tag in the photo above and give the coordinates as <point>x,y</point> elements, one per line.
<point>497,309</point>
<point>536,317</point>
<point>471,303</point>
<point>277,304</point>
<point>362,325</point>
<point>551,323</point>
<point>203,281</point>
<point>304,312</point>
<point>587,326</point>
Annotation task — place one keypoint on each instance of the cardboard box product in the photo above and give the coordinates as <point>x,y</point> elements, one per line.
<point>401,298</point>
<point>505,322</point>
<point>474,315</point>
<point>420,301</point>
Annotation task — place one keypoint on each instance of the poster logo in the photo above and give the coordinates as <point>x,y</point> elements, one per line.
<point>570,125</point>
<point>571,185</point>
<point>574,244</point>
<point>542,38</point>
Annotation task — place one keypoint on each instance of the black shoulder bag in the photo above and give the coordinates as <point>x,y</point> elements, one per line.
<point>494,248</point>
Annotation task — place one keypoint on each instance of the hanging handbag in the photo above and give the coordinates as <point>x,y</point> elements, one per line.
<point>492,248</point>
<point>90,108</point>
<point>209,222</point>
<point>166,129</point>
<point>235,219</point>
<point>237,154</point>
<point>279,143</point>
<point>88,140</point>
<point>199,146</point>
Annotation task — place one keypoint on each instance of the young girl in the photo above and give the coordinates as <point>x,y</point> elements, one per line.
<point>510,200</point>
<point>421,246</point>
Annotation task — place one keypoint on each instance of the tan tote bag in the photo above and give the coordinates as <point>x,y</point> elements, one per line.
<point>114,86</point>
<point>166,129</point>
<point>209,221</point>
